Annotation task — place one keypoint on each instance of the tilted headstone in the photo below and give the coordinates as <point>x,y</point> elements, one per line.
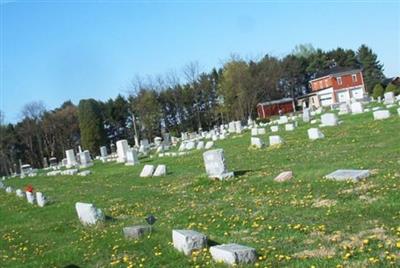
<point>30,197</point>
<point>329,119</point>
<point>209,145</point>
<point>88,214</point>
<point>41,199</point>
<point>187,241</point>
<point>357,108</point>
<point>314,134</point>
<point>275,140</point>
<point>257,142</point>
<point>122,148</point>
<point>381,114</point>
<point>147,171</point>
<point>233,254</point>
<point>214,162</point>
<point>132,157</point>
<point>161,170</point>
<point>71,159</point>
<point>389,98</point>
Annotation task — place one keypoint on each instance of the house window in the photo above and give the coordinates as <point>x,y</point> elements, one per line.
<point>339,80</point>
<point>354,78</point>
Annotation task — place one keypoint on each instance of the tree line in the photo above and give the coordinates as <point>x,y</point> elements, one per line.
<point>165,104</point>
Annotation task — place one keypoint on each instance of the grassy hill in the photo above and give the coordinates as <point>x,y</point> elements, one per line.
<point>308,221</point>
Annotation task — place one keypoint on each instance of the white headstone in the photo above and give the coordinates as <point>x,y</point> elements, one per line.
<point>85,159</point>
<point>289,127</point>
<point>283,119</point>
<point>161,170</point>
<point>40,199</point>
<point>306,115</point>
<point>132,157</point>
<point>71,159</point>
<point>147,171</point>
<point>20,193</point>
<point>9,189</point>
<point>329,119</point>
<point>357,108</point>
<point>274,128</point>
<point>122,148</point>
<point>315,133</point>
<point>208,145</point>
<point>200,145</point>
<point>238,127</point>
<point>214,162</point>
<point>257,142</point>
<point>344,108</point>
<point>88,213</point>
<point>103,151</point>
<point>275,140</point>
<point>187,241</point>
<point>30,197</point>
<point>389,98</point>
<point>232,127</point>
<point>233,254</point>
<point>190,145</point>
<point>381,114</point>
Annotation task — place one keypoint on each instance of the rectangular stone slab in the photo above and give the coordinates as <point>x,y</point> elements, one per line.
<point>135,232</point>
<point>187,241</point>
<point>348,174</point>
<point>233,254</point>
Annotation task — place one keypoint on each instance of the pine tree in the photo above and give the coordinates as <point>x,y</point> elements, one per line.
<point>372,68</point>
<point>91,125</point>
<point>378,91</point>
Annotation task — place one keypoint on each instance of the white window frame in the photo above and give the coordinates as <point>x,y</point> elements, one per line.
<point>339,80</point>
<point>354,78</point>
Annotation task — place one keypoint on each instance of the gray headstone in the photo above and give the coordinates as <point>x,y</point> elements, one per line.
<point>214,162</point>
<point>147,171</point>
<point>135,232</point>
<point>187,241</point>
<point>88,214</point>
<point>232,254</point>
<point>348,174</point>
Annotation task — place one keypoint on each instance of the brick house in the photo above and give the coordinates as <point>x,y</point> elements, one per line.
<point>270,108</point>
<point>337,85</point>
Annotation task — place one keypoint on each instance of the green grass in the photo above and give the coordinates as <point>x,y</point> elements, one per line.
<point>278,219</point>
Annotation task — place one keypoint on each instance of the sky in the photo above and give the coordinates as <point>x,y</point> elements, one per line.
<point>70,50</point>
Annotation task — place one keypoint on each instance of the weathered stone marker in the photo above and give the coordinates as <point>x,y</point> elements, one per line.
<point>147,171</point>
<point>71,159</point>
<point>232,254</point>
<point>257,142</point>
<point>381,114</point>
<point>187,241</point>
<point>275,140</point>
<point>136,232</point>
<point>122,148</point>
<point>214,162</point>
<point>88,214</point>
<point>41,199</point>
<point>348,174</point>
<point>329,119</point>
<point>314,134</point>
<point>161,170</point>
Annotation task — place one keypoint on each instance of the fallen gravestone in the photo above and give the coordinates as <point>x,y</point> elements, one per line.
<point>136,232</point>
<point>88,214</point>
<point>214,162</point>
<point>348,174</point>
<point>284,176</point>
<point>147,171</point>
<point>381,114</point>
<point>161,170</point>
<point>187,241</point>
<point>314,134</point>
<point>233,254</point>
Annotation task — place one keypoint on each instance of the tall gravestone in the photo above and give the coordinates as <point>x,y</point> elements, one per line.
<point>306,115</point>
<point>132,157</point>
<point>214,162</point>
<point>71,159</point>
<point>103,151</point>
<point>122,148</point>
<point>85,159</point>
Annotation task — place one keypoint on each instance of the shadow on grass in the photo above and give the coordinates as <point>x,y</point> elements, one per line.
<point>212,243</point>
<point>242,172</point>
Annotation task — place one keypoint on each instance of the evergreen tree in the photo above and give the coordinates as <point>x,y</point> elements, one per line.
<point>392,88</point>
<point>91,125</point>
<point>378,91</point>
<point>372,68</point>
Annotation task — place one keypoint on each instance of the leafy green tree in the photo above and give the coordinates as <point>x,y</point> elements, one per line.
<point>392,88</point>
<point>378,91</point>
<point>372,68</point>
<point>91,125</point>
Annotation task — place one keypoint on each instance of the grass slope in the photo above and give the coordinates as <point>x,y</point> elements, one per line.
<point>305,222</point>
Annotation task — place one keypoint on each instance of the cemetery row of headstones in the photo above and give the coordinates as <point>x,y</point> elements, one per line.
<point>31,197</point>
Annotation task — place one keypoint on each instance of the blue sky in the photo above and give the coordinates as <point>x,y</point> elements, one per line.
<point>58,51</point>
